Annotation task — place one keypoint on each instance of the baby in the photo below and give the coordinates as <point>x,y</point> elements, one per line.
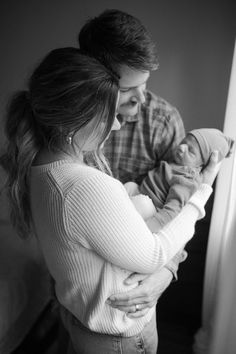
<point>167,188</point>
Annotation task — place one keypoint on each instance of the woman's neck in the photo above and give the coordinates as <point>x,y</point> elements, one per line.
<point>45,156</point>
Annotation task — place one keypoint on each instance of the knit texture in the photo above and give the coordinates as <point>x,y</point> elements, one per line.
<point>210,139</point>
<point>92,238</point>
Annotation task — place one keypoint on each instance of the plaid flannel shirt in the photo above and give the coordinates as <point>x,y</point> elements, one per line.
<point>144,140</point>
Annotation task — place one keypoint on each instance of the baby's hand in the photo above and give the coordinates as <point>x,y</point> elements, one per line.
<point>144,205</point>
<point>132,188</point>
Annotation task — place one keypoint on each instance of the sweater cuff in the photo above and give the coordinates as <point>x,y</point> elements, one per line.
<point>200,197</point>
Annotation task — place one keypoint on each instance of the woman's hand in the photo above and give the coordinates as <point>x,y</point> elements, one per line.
<point>211,170</point>
<point>137,302</point>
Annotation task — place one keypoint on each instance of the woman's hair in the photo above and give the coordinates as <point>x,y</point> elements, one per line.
<point>65,92</point>
<point>116,38</point>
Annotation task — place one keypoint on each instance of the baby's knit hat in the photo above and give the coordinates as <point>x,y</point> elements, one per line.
<point>210,139</point>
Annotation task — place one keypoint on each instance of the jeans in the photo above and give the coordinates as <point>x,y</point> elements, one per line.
<point>84,341</point>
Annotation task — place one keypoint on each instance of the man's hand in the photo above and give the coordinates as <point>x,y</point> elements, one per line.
<point>138,301</point>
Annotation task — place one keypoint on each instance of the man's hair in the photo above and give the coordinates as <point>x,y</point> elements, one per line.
<point>116,38</point>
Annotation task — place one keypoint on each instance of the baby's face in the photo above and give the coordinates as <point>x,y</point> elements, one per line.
<point>188,153</point>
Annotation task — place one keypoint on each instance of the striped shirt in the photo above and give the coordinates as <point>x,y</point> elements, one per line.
<point>144,140</point>
<point>92,238</point>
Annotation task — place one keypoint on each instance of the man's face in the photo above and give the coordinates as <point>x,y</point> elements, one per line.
<point>188,152</point>
<point>132,85</point>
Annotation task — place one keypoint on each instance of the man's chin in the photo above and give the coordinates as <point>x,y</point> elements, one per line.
<point>128,111</point>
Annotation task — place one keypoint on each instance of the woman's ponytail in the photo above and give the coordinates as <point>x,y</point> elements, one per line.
<point>21,149</point>
<point>67,91</point>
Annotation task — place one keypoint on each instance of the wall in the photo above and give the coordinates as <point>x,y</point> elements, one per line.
<point>194,39</point>
<point>195,44</point>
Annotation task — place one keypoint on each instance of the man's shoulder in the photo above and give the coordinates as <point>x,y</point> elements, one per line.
<point>157,102</point>
<point>158,106</point>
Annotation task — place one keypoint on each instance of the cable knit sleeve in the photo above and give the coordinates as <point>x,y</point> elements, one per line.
<point>103,219</point>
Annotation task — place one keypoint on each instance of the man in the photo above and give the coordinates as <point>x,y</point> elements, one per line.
<point>150,127</point>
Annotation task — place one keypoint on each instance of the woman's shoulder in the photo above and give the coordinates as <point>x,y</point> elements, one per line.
<point>75,177</point>
<point>71,178</point>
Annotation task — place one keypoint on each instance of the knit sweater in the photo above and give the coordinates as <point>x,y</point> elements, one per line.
<point>93,238</point>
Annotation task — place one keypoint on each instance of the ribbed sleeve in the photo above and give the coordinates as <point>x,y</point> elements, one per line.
<point>92,238</point>
<point>100,210</point>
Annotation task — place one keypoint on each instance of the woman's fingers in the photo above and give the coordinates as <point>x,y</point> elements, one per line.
<point>137,314</point>
<point>131,309</point>
<point>211,170</point>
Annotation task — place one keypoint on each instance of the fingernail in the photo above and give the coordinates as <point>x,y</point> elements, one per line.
<point>112,298</point>
<point>108,301</point>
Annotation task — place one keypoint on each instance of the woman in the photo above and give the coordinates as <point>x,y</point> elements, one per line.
<point>60,187</point>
